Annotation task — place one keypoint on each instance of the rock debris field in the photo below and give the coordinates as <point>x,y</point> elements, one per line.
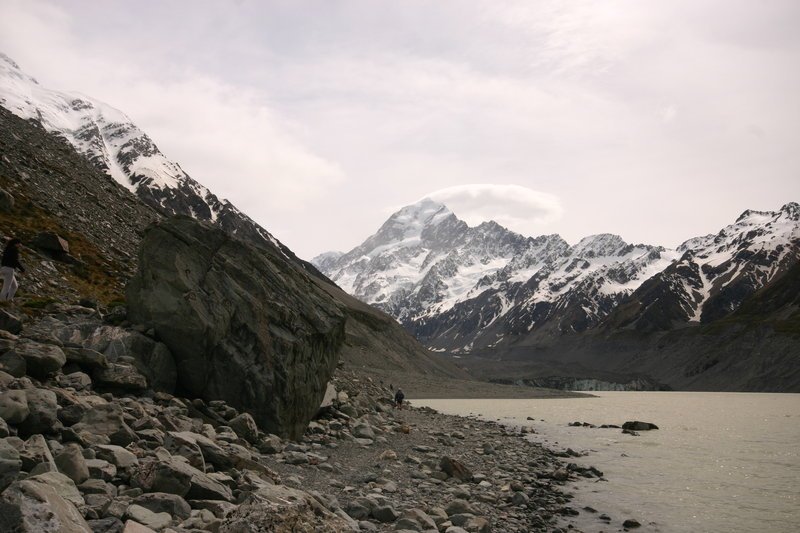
<point>85,446</point>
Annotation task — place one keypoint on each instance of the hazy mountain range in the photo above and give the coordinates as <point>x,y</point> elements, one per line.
<point>601,309</point>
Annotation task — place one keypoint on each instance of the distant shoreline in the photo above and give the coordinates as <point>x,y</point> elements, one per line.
<point>430,387</point>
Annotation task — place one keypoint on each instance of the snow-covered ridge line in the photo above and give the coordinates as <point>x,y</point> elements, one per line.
<point>97,130</point>
<point>457,287</point>
<point>112,142</point>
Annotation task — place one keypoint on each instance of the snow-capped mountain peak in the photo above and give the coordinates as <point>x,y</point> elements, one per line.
<point>466,289</point>
<point>433,272</point>
<point>416,216</point>
<point>409,223</point>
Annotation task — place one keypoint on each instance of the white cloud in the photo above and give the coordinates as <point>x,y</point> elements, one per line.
<point>236,145</point>
<point>521,209</point>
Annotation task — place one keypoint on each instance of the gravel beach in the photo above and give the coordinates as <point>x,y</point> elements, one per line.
<point>86,447</point>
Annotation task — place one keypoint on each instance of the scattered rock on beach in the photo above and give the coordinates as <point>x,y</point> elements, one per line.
<point>639,426</point>
<point>120,458</point>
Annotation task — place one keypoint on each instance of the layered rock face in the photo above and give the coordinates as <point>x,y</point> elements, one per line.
<point>242,323</point>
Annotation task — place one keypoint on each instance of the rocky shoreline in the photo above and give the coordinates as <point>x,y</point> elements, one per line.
<point>87,446</point>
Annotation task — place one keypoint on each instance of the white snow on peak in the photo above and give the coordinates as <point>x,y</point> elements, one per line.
<point>720,258</point>
<point>102,133</point>
<point>414,218</point>
<point>99,131</point>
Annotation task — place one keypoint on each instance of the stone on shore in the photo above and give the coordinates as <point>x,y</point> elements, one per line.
<point>455,469</point>
<point>86,358</point>
<point>146,517</point>
<point>639,426</point>
<point>13,364</point>
<point>245,427</point>
<point>132,526</point>
<point>116,455</point>
<point>162,502</point>
<point>105,420</point>
<point>282,509</point>
<point>120,376</point>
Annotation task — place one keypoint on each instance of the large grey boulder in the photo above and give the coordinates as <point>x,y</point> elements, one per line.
<point>245,324</point>
<point>40,359</point>
<point>105,420</point>
<point>42,413</point>
<point>176,477</point>
<point>283,509</point>
<point>33,507</point>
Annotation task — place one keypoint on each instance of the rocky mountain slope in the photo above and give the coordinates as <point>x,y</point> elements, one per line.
<point>50,189</point>
<point>119,148</point>
<point>122,183</point>
<point>531,302</point>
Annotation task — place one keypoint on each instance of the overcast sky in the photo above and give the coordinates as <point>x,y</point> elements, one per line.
<point>658,121</point>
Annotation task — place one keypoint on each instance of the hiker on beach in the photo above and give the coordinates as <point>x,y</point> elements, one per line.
<point>398,399</point>
<point>10,263</point>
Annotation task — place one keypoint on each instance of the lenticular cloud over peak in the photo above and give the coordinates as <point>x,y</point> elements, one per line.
<point>519,208</point>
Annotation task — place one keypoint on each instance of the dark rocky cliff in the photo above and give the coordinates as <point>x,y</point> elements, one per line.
<point>243,325</point>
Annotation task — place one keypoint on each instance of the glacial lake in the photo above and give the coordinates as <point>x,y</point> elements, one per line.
<point>727,462</point>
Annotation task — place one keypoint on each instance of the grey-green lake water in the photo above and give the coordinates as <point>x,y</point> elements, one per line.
<point>719,462</point>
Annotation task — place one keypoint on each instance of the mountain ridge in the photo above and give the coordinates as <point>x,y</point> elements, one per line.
<point>540,292</point>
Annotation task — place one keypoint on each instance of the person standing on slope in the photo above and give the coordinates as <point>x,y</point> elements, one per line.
<point>10,263</point>
<point>398,399</point>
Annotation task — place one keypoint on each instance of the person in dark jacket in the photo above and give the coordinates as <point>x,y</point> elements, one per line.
<point>8,267</point>
<point>398,399</point>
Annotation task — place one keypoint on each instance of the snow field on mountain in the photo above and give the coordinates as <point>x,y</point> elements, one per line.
<point>425,266</point>
<point>95,129</point>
